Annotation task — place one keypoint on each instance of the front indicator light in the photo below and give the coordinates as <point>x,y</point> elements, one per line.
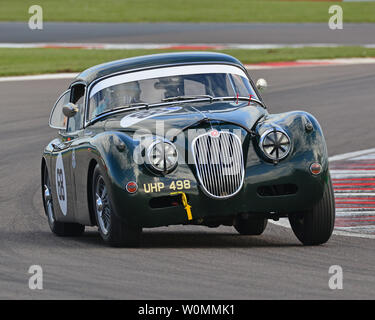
<point>316,168</point>
<point>132,187</point>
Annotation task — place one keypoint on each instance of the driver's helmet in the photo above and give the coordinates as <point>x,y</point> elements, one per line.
<point>126,93</point>
<point>103,99</point>
<point>172,86</point>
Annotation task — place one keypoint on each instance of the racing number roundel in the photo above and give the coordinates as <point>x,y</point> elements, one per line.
<point>61,184</point>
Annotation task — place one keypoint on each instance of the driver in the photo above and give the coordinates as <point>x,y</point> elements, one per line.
<point>125,94</point>
<point>103,98</point>
<point>117,96</point>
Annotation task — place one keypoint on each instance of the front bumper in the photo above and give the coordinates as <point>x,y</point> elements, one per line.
<point>136,208</point>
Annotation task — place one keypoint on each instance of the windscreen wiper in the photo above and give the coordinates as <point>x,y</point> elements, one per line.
<point>141,105</point>
<point>181,98</point>
<point>210,120</point>
<point>132,106</point>
<point>237,98</point>
<point>211,98</point>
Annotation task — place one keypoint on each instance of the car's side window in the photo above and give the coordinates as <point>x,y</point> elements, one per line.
<point>57,119</point>
<point>77,97</point>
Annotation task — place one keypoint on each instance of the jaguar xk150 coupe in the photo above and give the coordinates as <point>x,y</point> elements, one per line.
<point>181,138</point>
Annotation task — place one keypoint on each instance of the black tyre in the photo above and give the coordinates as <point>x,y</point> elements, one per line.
<point>315,226</point>
<point>61,229</point>
<point>250,226</point>
<point>112,229</point>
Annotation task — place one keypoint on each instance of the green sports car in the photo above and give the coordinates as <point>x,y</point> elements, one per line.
<point>181,138</point>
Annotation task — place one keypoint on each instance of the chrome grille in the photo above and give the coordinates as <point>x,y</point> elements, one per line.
<point>219,162</point>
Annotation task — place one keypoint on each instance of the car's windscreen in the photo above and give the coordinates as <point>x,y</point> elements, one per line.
<point>154,90</point>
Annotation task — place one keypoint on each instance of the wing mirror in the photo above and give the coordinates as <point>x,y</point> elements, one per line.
<point>261,84</point>
<point>70,110</point>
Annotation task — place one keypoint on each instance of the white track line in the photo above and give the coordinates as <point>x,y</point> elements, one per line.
<point>52,76</point>
<point>292,64</point>
<point>354,214</point>
<point>354,210</point>
<point>109,46</point>
<point>351,154</point>
<point>284,222</point>
<point>357,192</point>
<point>353,234</point>
<point>360,194</point>
<point>311,63</point>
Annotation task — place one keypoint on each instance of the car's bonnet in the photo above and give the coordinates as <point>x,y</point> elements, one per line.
<point>161,120</point>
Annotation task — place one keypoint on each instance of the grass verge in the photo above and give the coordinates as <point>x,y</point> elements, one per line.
<point>51,60</point>
<point>185,10</point>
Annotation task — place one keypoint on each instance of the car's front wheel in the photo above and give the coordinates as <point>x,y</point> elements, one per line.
<point>112,229</point>
<point>250,226</point>
<point>315,226</point>
<point>61,229</point>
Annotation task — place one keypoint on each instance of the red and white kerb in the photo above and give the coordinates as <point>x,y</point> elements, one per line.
<point>353,178</point>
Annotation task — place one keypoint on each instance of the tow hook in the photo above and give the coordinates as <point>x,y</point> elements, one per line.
<point>187,207</point>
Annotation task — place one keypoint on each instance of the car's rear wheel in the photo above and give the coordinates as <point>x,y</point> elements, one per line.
<point>315,226</point>
<point>112,229</point>
<point>250,226</point>
<point>62,229</point>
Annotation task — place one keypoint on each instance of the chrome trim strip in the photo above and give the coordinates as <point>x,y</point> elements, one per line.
<point>53,109</point>
<point>213,176</point>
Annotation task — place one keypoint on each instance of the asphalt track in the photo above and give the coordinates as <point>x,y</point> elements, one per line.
<point>181,262</point>
<point>245,33</point>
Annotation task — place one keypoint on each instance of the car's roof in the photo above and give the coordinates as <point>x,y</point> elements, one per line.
<point>105,69</point>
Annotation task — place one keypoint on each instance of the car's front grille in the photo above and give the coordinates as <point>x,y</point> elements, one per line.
<point>219,161</point>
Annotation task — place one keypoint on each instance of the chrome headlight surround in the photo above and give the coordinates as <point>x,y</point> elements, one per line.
<point>162,156</point>
<point>275,144</point>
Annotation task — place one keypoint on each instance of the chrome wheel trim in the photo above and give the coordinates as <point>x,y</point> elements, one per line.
<point>48,198</point>
<point>48,201</point>
<point>102,208</point>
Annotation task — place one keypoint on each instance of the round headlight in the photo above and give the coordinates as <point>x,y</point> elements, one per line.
<point>275,144</point>
<point>162,156</point>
